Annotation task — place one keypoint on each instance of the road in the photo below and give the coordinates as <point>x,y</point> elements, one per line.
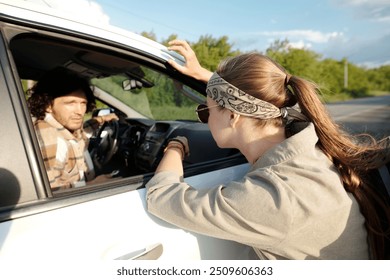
<point>371,115</point>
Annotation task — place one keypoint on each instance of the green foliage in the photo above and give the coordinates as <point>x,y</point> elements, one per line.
<point>299,62</point>
<point>113,86</point>
<point>330,76</point>
<point>150,35</point>
<point>379,78</point>
<point>211,51</point>
<point>357,81</point>
<point>169,112</point>
<point>170,38</point>
<point>327,73</point>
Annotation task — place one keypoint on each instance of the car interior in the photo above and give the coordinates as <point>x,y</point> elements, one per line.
<point>153,103</point>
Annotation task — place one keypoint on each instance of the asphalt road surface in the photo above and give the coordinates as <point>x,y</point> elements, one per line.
<point>363,115</point>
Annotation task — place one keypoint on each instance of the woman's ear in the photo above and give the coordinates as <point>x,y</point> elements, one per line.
<point>234,118</point>
<point>49,109</point>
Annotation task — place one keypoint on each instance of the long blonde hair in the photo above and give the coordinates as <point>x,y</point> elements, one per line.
<point>354,156</point>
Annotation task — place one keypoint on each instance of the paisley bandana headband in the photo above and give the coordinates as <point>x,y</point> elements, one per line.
<point>230,97</point>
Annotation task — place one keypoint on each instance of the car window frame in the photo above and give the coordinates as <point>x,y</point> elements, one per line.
<point>43,199</point>
<point>46,200</point>
<point>32,185</point>
<point>19,108</point>
<point>10,30</point>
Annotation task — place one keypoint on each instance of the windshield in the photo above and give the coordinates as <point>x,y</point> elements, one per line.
<point>152,94</point>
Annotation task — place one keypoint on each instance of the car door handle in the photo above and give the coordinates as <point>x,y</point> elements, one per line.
<point>152,252</point>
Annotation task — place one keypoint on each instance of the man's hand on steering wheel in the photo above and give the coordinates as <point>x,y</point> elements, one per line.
<point>106,118</point>
<point>107,140</point>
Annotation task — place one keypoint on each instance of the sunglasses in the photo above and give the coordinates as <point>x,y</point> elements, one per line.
<point>203,112</point>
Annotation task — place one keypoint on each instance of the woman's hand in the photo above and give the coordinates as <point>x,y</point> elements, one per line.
<point>192,67</point>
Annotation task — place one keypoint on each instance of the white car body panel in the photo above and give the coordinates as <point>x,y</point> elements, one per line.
<point>57,233</point>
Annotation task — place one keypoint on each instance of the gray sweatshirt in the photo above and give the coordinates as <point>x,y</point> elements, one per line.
<point>290,205</point>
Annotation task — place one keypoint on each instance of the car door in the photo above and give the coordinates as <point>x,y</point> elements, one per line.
<point>106,222</point>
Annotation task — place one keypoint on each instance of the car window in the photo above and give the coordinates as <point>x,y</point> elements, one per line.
<point>156,97</point>
<point>153,105</point>
<point>152,101</point>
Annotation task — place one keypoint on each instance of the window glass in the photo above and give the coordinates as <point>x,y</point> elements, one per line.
<point>140,96</point>
<point>155,96</point>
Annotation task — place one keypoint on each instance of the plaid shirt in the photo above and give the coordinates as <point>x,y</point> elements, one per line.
<point>62,152</point>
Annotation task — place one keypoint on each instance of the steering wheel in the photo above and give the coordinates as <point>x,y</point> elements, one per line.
<point>107,143</point>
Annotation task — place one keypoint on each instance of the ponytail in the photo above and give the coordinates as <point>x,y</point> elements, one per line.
<point>353,157</point>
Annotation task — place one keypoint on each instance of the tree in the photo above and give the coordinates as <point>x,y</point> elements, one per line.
<point>211,51</point>
<point>170,38</point>
<point>379,78</point>
<point>151,35</point>
<point>357,81</point>
<point>328,73</point>
<point>300,62</point>
<point>331,76</point>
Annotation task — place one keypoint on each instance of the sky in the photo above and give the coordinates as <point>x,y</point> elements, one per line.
<point>358,30</point>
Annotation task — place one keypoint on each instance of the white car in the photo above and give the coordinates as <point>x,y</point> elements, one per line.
<point>131,77</point>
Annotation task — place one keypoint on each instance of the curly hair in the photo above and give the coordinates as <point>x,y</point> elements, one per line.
<point>56,83</point>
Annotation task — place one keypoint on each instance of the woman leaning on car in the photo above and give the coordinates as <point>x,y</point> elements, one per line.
<point>305,195</point>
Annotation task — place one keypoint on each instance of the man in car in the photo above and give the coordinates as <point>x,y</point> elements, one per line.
<point>58,104</point>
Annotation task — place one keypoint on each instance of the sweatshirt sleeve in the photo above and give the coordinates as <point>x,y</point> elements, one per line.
<point>234,212</point>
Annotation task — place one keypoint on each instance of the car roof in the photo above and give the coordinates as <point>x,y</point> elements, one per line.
<point>32,13</point>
